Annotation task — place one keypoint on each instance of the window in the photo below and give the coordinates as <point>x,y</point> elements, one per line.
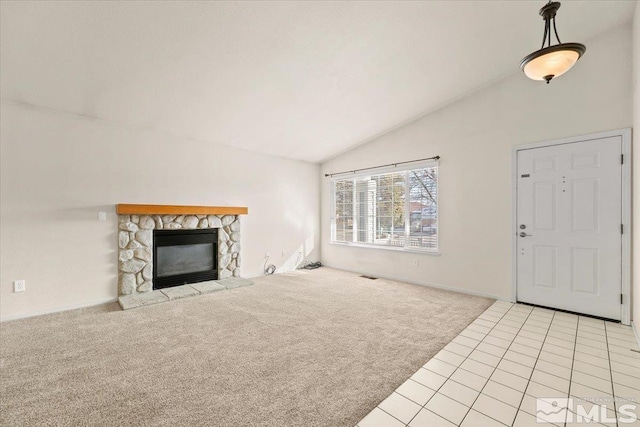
<point>397,209</point>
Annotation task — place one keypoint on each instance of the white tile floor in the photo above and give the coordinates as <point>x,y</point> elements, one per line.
<point>492,373</point>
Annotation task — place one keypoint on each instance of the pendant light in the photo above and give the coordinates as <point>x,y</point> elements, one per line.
<point>551,61</point>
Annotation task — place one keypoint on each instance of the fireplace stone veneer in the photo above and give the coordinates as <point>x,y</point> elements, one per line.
<point>135,246</point>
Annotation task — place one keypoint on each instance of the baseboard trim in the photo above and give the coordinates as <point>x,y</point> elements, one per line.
<point>55,310</point>
<point>429,285</point>
<point>636,332</point>
<point>451,288</point>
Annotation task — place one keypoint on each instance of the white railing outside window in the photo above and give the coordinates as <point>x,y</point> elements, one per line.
<point>396,209</point>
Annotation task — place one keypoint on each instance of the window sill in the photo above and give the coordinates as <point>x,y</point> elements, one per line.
<point>387,248</point>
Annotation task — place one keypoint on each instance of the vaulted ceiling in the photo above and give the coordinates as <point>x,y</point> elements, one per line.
<point>304,80</point>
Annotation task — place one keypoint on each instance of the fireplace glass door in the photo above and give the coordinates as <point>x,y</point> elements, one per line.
<point>184,256</point>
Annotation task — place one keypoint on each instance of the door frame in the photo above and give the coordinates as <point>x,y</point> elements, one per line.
<point>625,136</point>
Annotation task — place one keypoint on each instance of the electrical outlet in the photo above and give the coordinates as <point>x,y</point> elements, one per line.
<point>102,216</point>
<point>266,254</point>
<point>283,254</point>
<point>416,262</point>
<point>19,286</point>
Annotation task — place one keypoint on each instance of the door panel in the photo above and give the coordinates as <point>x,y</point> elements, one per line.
<point>544,206</point>
<point>584,270</point>
<point>584,204</point>
<point>569,210</point>
<point>585,160</point>
<point>544,266</point>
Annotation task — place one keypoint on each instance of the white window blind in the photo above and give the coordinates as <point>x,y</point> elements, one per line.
<point>395,209</point>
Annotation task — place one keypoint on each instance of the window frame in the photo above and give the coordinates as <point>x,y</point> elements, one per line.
<point>407,218</point>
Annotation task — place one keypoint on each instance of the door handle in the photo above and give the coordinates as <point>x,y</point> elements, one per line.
<point>523,234</point>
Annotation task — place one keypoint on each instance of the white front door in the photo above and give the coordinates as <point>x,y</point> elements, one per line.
<point>569,242</point>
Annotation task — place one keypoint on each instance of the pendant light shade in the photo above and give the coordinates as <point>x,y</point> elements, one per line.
<point>551,61</point>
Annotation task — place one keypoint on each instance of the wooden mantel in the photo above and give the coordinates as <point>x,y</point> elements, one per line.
<point>127,209</point>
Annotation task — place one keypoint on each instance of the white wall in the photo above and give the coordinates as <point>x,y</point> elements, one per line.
<point>474,136</point>
<point>636,167</point>
<point>59,170</point>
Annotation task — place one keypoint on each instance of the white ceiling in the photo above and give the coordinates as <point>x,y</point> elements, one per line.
<point>303,80</point>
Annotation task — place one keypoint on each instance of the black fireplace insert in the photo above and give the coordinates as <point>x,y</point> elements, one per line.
<point>184,256</point>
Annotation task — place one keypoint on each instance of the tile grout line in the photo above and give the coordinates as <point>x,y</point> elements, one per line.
<point>573,361</point>
<point>495,368</point>
<point>622,363</point>
<point>447,377</point>
<point>562,356</point>
<point>554,320</point>
<point>633,342</point>
<point>613,390</point>
<point>524,393</point>
<point>458,367</point>
<point>391,415</point>
<point>591,364</point>
<point>539,350</point>
<point>557,322</point>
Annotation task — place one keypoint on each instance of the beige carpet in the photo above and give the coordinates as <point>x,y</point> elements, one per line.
<point>309,348</point>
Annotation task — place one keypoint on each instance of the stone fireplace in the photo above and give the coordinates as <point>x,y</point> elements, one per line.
<point>136,226</point>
